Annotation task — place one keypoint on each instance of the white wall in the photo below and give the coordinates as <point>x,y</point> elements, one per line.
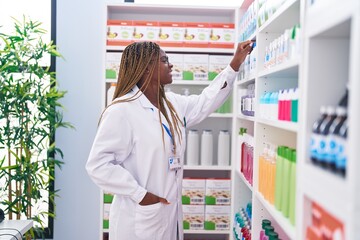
<point>80,27</point>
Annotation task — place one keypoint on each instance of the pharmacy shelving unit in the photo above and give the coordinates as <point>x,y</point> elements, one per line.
<point>331,61</point>
<point>216,121</point>
<point>282,76</point>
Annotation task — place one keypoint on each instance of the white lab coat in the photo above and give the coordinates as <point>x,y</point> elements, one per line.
<point>128,159</point>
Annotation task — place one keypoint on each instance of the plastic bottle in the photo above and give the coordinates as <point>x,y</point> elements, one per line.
<point>292,192</point>
<point>273,236</point>
<point>264,223</point>
<point>281,108</point>
<point>206,155</point>
<point>344,100</point>
<point>272,176</point>
<point>324,131</point>
<point>192,149</point>
<point>294,105</point>
<point>341,156</point>
<point>286,183</point>
<point>278,177</point>
<point>331,144</point>
<point>223,148</point>
<point>268,229</point>
<point>315,136</point>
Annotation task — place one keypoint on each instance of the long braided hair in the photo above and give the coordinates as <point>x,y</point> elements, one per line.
<point>134,61</point>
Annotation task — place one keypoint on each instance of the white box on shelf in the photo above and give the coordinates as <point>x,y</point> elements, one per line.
<point>177,60</point>
<point>196,67</point>
<point>193,217</point>
<point>217,217</point>
<point>113,60</point>
<point>217,63</point>
<point>193,191</point>
<point>218,192</point>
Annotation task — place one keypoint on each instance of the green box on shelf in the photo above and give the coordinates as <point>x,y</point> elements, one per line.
<point>110,74</point>
<point>212,75</point>
<point>185,200</point>
<point>209,225</point>
<point>108,198</point>
<point>105,224</point>
<point>210,200</point>
<point>186,225</point>
<point>187,75</point>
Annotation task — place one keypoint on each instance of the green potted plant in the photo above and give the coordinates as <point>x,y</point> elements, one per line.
<point>30,113</point>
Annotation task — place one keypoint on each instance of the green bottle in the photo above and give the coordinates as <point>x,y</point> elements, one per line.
<point>273,236</point>
<point>286,183</point>
<point>278,177</point>
<point>292,199</point>
<point>268,230</point>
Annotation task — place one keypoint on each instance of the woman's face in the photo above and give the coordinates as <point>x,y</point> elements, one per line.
<point>165,70</point>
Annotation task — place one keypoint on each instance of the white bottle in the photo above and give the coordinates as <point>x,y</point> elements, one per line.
<point>110,93</point>
<point>206,155</point>
<point>192,148</point>
<point>224,148</point>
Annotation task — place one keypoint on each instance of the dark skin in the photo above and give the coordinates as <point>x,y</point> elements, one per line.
<point>242,50</point>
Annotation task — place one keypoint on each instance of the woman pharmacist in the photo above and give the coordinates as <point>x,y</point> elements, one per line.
<point>138,151</point>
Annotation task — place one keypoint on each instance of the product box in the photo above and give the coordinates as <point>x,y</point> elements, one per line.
<point>218,192</point>
<point>108,197</point>
<point>112,65</point>
<point>193,191</point>
<point>222,35</point>
<point>106,214</point>
<point>171,34</point>
<point>217,63</point>
<point>146,31</point>
<point>217,217</point>
<point>119,32</point>
<point>196,35</point>
<point>193,217</point>
<point>177,60</point>
<point>196,67</point>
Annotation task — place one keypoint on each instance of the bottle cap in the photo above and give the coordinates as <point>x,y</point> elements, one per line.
<point>341,111</point>
<point>265,222</point>
<point>273,236</point>
<point>268,229</point>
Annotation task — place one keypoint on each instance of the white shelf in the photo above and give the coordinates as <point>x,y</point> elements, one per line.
<point>242,177</point>
<point>285,17</point>
<point>248,80</point>
<point>206,168</point>
<point>249,118</point>
<point>182,49</point>
<point>111,80</point>
<point>207,231</point>
<point>285,125</point>
<point>279,218</point>
<point>288,69</point>
<point>325,188</point>
<point>221,115</point>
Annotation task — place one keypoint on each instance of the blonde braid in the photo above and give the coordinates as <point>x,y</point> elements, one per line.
<point>134,62</point>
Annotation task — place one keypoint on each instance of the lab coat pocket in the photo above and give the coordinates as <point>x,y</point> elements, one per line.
<point>148,221</point>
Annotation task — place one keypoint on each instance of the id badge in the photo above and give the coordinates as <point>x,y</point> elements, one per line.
<point>174,163</point>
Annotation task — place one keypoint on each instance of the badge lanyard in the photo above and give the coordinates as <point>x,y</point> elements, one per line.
<point>174,161</point>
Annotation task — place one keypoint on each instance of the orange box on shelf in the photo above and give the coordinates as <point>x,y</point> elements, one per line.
<point>171,34</point>
<point>196,35</point>
<point>119,32</point>
<point>146,31</point>
<point>222,35</point>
